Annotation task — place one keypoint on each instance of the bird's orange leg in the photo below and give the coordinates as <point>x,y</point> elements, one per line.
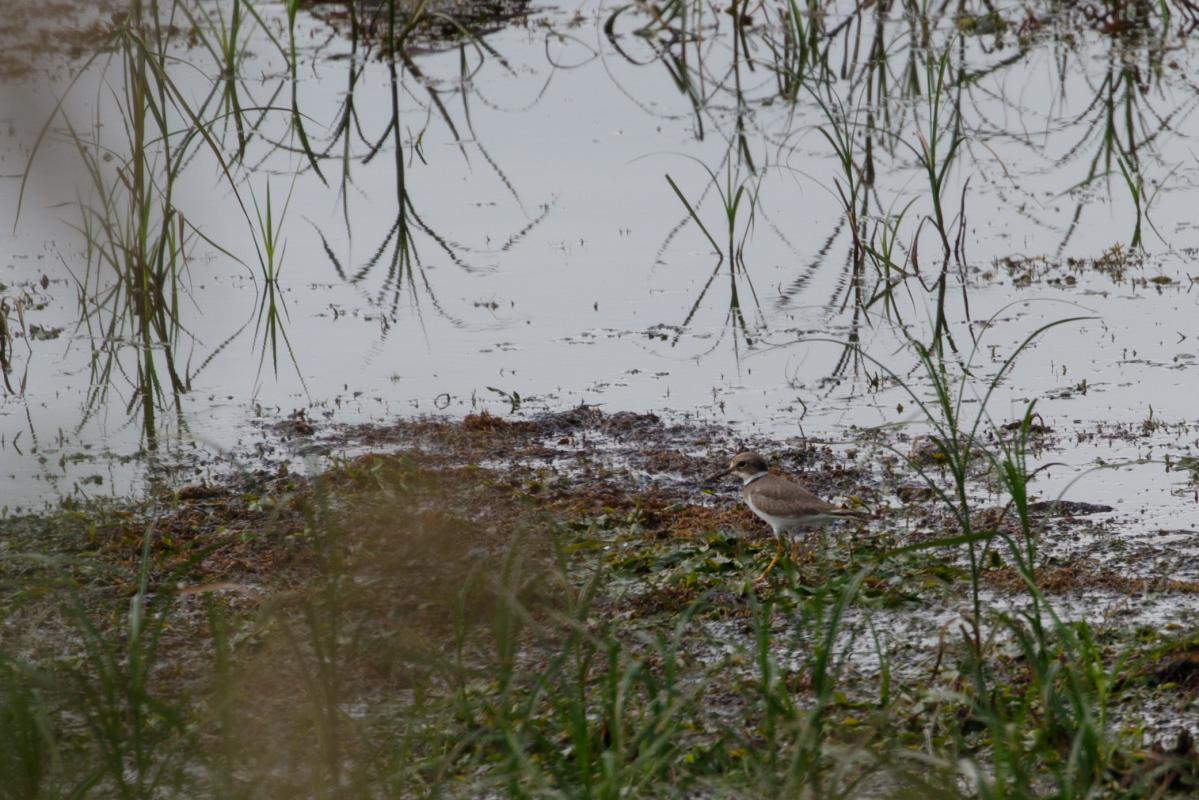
<point>778,552</point>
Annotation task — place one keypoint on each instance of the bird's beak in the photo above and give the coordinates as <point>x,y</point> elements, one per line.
<point>717,476</point>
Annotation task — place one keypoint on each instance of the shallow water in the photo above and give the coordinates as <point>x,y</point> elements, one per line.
<point>552,259</point>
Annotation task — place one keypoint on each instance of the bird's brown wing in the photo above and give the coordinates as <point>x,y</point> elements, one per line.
<point>780,497</point>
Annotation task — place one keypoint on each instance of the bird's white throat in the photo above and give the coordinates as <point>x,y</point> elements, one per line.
<point>753,478</point>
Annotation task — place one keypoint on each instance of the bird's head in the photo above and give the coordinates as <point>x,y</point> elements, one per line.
<point>744,465</point>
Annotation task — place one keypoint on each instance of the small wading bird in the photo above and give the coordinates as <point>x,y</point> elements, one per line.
<point>784,505</point>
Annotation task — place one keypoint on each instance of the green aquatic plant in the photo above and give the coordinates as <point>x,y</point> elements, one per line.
<point>739,197</point>
<point>272,309</point>
<point>10,308</point>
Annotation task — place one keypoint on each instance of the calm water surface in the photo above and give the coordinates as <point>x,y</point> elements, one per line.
<point>549,257</point>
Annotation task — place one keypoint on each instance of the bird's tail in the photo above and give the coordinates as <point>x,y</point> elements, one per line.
<point>846,513</point>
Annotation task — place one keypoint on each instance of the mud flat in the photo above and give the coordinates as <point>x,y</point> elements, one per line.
<point>461,607</point>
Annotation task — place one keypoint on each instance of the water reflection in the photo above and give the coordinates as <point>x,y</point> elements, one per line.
<point>12,309</point>
<point>736,198</point>
<point>917,128</point>
<point>895,87</point>
<point>399,253</point>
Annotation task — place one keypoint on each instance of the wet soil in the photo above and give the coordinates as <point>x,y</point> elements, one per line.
<point>37,35</point>
<point>445,22</point>
<point>587,467</point>
<point>418,512</point>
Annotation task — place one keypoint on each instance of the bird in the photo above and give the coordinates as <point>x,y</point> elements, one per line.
<point>782,504</point>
